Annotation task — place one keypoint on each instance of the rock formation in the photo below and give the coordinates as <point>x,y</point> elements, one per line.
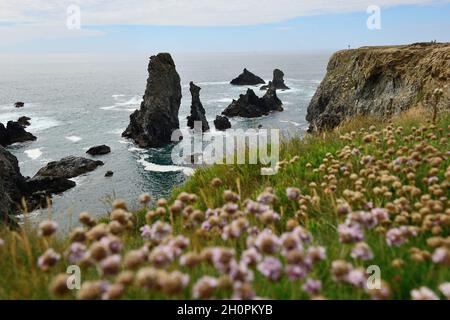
<point>19,104</point>
<point>14,132</point>
<point>49,185</point>
<point>246,78</point>
<point>109,173</point>
<point>99,150</point>
<point>197,110</point>
<point>24,121</point>
<point>68,167</point>
<point>278,81</point>
<point>12,185</point>
<point>152,125</point>
<point>222,123</point>
<point>249,105</point>
<point>381,82</point>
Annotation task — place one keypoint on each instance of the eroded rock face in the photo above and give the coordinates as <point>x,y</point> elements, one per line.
<point>249,105</point>
<point>14,132</point>
<point>197,110</point>
<point>12,185</point>
<point>222,123</point>
<point>278,81</point>
<point>152,125</point>
<point>99,150</point>
<point>246,78</point>
<point>68,167</point>
<point>381,82</point>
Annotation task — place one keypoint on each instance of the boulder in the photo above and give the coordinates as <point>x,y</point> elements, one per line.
<point>197,110</point>
<point>16,133</point>
<point>222,123</point>
<point>19,104</point>
<point>99,150</point>
<point>109,174</point>
<point>278,81</point>
<point>153,124</point>
<point>246,78</point>
<point>24,121</point>
<point>249,105</point>
<point>49,185</point>
<point>68,167</point>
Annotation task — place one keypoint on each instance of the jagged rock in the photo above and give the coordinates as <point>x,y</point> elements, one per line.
<point>99,150</point>
<point>14,132</point>
<point>68,167</point>
<point>152,125</point>
<point>19,104</point>
<point>246,78</point>
<point>251,106</point>
<point>222,123</point>
<point>109,174</point>
<point>197,110</point>
<point>381,82</point>
<point>278,81</point>
<point>24,121</point>
<point>12,185</point>
<point>49,185</point>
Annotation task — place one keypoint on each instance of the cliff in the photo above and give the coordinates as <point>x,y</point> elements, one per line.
<point>382,82</point>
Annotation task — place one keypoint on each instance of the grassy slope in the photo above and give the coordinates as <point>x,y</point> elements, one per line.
<point>21,278</point>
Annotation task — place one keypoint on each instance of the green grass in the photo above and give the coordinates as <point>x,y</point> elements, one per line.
<point>22,279</point>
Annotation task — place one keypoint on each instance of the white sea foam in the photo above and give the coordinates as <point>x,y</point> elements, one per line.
<point>116,96</point>
<point>136,100</point>
<point>42,123</point>
<point>212,83</point>
<point>116,131</point>
<point>148,166</point>
<point>135,149</point>
<point>222,100</point>
<point>74,138</point>
<point>33,153</point>
<point>291,122</point>
<point>108,108</point>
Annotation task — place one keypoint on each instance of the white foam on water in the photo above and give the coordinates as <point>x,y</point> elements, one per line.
<point>5,117</point>
<point>211,83</point>
<point>136,100</point>
<point>116,96</point>
<point>135,149</point>
<point>74,138</point>
<point>42,123</point>
<point>116,131</point>
<point>291,122</point>
<point>107,108</point>
<point>222,100</point>
<point>148,166</point>
<point>33,153</point>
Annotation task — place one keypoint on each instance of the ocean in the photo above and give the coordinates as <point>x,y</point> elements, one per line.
<point>76,101</point>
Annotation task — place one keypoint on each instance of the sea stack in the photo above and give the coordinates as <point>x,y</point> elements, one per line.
<point>381,82</point>
<point>249,105</point>
<point>278,81</point>
<point>197,110</point>
<point>152,125</point>
<point>222,123</point>
<point>246,78</point>
<point>14,132</point>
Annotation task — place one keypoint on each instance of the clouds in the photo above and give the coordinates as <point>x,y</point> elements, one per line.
<point>184,12</point>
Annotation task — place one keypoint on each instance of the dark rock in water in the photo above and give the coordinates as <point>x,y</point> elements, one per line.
<point>24,121</point>
<point>12,185</point>
<point>246,78</point>
<point>19,104</point>
<point>99,150</point>
<point>16,133</point>
<point>197,110</point>
<point>381,82</point>
<point>49,185</point>
<point>222,123</point>
<point>4,140</point>
<point>251,106</point>
<point>68,167</point>
<point>109,174</point>
<point>152,125</point>
<point>278,81</point>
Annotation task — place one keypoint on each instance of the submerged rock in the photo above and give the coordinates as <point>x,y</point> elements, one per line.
<point>14,132</point>
<point>246,78</point>
<point>249,105</point>
<point>197,110</point>
<point>99,150</point>
<point>152,125</point>
<point>222,123</point>
<point>381,82</point>
<point>68,167</point>
<point>19,104</point>
<point>278,81</point>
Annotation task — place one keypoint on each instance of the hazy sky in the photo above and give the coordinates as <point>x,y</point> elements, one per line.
<point>132,26</point>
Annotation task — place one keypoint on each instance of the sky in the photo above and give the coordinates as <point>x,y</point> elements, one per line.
<point>192,26</point>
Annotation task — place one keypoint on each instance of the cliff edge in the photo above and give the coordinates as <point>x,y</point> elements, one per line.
<point>381,82</point>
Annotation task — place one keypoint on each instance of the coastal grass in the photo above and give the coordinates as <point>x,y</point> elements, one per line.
<point>21,278</point>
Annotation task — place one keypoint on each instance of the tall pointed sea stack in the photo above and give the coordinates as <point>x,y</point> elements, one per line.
<point>197,110</point>
<point>152,125</point>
